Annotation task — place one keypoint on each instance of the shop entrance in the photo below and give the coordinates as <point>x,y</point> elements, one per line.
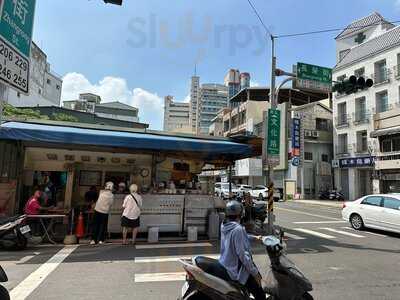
<point>344,182</point>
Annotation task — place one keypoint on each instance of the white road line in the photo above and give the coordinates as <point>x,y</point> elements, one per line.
<point>293,236</point>
<point>315,233</point>
<point>308,214</point>
<point>372,233</point>
<point>25,259</point>
<point>343,232</point>
<point>320,222</point>
<point>160,277</point>
<point>159,259</point>
<point>30,283</point>
<point>186,245</point>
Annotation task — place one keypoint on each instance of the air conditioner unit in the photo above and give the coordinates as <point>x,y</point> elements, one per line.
<point>315,133</point>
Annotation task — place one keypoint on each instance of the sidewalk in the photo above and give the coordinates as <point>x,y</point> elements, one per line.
<point>330,203</point>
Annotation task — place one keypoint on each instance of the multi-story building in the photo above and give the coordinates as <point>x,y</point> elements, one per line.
<point>176,116</point>
<point>244,80</point>
<point>232,81</point>
<point>213,97</point>
<point>91,103</point>
<point>194,103</point>
<point>44,85</point>
<point>368,47</point>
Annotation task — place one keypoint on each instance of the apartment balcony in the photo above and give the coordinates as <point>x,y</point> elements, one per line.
<point>360,149</point>
<point>386,116</point>
<point>343,150</point>
<point>396,71</point>
<point>342,120</point>
<point>361,117</point>
<point>381,77</point>
<point>387,160</point>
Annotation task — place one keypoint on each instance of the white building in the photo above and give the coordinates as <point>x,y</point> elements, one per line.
<point>368,47</point>
<point>91,103</point>
<point>44,85</point>
<point>176,116</point>
<point>194,103</point>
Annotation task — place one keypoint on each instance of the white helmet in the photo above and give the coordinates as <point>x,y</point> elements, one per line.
<point>109,185</point>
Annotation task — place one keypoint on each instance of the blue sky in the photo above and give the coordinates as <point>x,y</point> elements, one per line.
<point>144,50</point>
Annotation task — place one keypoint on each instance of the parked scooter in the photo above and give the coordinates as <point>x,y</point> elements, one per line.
<point>14,233</point>
<point>206,279</point>
<point>4,295</point>
<point>331,195</point>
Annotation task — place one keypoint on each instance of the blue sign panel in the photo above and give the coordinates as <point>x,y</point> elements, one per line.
<point>296,137</point>
<point>296,161</point>
<point>351,162</point>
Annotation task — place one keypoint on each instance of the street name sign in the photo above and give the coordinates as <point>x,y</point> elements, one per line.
<point>16,25</point>
<point>312,77</point>
<point>274,134</point>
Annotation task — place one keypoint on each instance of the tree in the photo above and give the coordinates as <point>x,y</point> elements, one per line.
<point>63,117</point>
<point>24,113</point>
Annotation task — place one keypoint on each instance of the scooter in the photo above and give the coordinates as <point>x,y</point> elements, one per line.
<point>4,295</point>
<point>206,279</point>
<point>14,233</point>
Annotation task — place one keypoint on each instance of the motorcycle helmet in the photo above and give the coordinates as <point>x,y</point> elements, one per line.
<point>234,209</point>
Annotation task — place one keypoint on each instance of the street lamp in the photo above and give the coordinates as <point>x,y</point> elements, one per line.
<point>116,2</point>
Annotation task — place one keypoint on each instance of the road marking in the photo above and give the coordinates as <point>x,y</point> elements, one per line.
<point>320,222</point>
<point>30,283</point>
<point>372,233</point>
<point>187,245</point>
<point>160,277</point>
<point>308,214</point>
<point>25,259</point>
<point>344,232</point>
<point>293,236</point>
<point>159,259</point>
<point>312,232</point>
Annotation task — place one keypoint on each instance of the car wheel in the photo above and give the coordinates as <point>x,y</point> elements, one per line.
<point>356,222</point>
<point>4,295</point>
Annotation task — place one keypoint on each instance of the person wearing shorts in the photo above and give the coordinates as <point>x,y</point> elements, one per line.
<point>131,215</point>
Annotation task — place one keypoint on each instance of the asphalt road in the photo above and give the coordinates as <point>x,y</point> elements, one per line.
<point>340,262</point>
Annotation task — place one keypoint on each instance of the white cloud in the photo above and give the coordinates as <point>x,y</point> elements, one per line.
<point>187,99</point>
<point>254,83</point>
<point>116,89</point>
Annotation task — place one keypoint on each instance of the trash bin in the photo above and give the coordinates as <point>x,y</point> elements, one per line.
<point>192,234</point>
<point>153,235</point>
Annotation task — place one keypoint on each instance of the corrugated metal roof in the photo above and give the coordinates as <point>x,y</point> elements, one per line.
<point>359,25</point>
<point>372,47</point>
<point>117,104</point>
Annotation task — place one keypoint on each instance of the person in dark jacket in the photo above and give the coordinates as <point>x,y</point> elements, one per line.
<point>236,254</point>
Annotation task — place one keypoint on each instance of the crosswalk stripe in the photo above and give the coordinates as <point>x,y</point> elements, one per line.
<point>294,236</point>
<point>372,233</point>
<point>160,277</point>
<point>158,259</point>
<point>319,222</point>
<point>315,233</point>
<point>183,245</point>
<point>343,232</point>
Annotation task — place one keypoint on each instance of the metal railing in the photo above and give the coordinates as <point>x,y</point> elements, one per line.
<point>358,148</point>
<point>396,70</point>
<point>381,77</point>
<point>361,116</point>
<point>343,149</point>
<point>342,120</point>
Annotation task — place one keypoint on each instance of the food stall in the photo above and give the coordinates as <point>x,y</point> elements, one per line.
<point>164,166</point>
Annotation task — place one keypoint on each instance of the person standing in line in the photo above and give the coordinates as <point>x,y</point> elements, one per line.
<point>101,211</point>
<point>131,215</point>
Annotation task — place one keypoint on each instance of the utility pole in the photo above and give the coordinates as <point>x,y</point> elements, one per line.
<point>3,99</point>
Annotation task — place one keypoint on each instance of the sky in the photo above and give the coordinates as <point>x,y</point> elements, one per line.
<point>144,50</point>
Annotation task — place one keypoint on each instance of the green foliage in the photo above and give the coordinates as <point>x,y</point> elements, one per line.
<point>63,117</point>
<point>25,113</point>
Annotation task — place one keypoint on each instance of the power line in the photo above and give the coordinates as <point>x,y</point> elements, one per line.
<point>260,19</point>
<point>330,30</point>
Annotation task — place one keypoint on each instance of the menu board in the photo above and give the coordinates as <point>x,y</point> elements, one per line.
<point>89,178</point>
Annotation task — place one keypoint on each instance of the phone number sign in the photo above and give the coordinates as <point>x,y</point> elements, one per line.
<point>14,68</point>
<point>16,26</point>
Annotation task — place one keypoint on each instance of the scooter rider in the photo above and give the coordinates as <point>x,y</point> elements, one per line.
<point>236,251</point>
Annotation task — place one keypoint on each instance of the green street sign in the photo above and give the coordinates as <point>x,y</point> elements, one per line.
<point>274,132</point>
<point>16,24</point>
<point>315,73</point>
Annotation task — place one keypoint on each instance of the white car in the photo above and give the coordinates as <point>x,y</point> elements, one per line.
<point>244,188</point>
<point>374,211</point>
<point>222,189</point>
<point>261,192</point>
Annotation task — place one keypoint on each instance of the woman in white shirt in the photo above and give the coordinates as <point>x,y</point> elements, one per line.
<point>131,214</point>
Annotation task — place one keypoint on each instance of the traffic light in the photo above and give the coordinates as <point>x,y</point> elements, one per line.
<point>352,85</point>
<point>116,2</point>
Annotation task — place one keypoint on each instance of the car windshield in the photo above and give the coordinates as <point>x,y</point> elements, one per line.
<point>226,186</point>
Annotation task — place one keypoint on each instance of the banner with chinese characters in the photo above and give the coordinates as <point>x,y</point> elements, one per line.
<point>296,137</point>
<point>352,162</point>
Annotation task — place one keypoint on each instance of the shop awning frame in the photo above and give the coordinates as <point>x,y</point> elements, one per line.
<point>385,131</point>
<point>208,149</point>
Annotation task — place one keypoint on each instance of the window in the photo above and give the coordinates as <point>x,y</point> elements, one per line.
<point>342,143</point>
<point>48,81</point>
<point>382,102</point>
<point>341,77</point>
<point>308,156</point>
<point>386,146</point>
<point>57,87</point>
<point>391,203</point>
<point>361,110</point>
<point>321,124</point>
<point>380,72</point>
<point>324,157</point>
<point>341,114</point>
<point>373,200</point>
<point>362,141</point>
<point>359,72</point>
<point>18,94</point>
<point>40,91</point>
<point>398,65</point>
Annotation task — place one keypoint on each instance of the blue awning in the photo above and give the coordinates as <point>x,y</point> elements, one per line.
<point>210,149</point>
